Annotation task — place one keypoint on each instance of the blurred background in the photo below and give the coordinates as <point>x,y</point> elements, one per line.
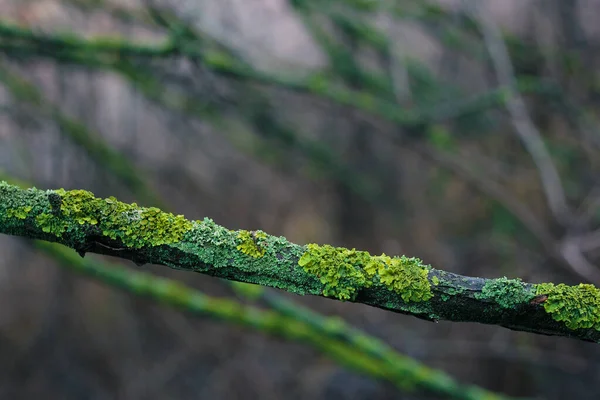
<point>462,132</point>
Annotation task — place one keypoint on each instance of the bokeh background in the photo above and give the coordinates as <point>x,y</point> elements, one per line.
<point>435,129</point>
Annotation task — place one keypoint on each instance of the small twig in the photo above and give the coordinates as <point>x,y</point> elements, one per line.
<point>524,126</point>
<point>571,250</point>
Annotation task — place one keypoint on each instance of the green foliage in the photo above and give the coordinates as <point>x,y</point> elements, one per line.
<point>577,306</point>
<point>345,272</point>
<point>508,293</point>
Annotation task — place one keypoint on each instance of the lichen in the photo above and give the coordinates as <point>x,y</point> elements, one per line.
<point>345,272</point>
<point>577,306</point>
<point>507,293</point>
<point>135,226</point>
<point>18,212</point>
<point>403,275</point>
<point>50,224</point>
<point>62,211</point>
<point>453,291</point>
<point>248,243</point>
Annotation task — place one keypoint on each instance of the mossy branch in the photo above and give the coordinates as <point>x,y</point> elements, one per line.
<point>330,336</point>
<point>85,223</point>
<point>110,52</point>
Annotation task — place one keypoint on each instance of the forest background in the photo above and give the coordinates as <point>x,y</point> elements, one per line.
<point>462,132</point>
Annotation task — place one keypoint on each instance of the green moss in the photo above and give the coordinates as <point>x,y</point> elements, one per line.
<point>508,293</point>
<point>344,272</point>
<point>435,280</point>
<point>248,243</point>
<point>577,306</point>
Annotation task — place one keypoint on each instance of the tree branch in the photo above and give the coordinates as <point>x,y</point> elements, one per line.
<point>524,126</point>
<point>85,223</point>
<point>330,335</point>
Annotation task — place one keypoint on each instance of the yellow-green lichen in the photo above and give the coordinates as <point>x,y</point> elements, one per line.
<point>507,293</point>
<point>577,306</point>
<point>50,224</point>
<point>134,226</point>
<point>406,276</point>
<point>19,212</point>
<point>248,243</point>
<point>435,280</point>
<point>344,272</point>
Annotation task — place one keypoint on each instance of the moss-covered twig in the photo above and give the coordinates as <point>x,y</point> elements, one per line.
<point>85,223</point>
<point>402,371</point>
<point>332,336</point>
<point>106,52</point>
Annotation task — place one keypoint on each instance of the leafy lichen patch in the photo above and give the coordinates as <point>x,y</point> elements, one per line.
<point>344,272</point>
<point>507,293</point>
<point>249,243</point>
<point>19,212</point>
<point>577,306</point>
<point>60,211</point>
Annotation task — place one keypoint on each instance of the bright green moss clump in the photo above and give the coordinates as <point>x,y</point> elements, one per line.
<point>508,293</point>
<point>344,272</point>
<point>577,306</point>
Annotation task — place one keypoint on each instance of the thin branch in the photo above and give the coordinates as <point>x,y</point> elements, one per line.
<point>477,176</point>
<point>85,223</point>
<point>524,126</point>
<point>572,249</point>
<point>588,208</point>
<point>101,52</point>
<point>404,372</point>
<point>566,252</point>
